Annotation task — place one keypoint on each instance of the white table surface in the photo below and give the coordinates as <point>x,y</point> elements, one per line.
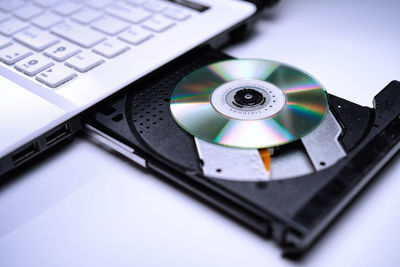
<point>84,206</point>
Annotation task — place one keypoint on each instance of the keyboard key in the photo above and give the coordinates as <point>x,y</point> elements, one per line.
<point>28,11</point>
<point>155,6</point>
<point>135,36</point>
<point>4,42</point>
<point>11,26</point>
<point>84,61</point>
<point>14,53</point>
<point>99,4</point>
<point>136,2</point>
<point>55,76</point>
<point>47,20</point>
<point>110,48</point>
<point>33,65</point>
<point>46,3</point>
<point>67,8</point>
<point>11,5</point>
<point>110,25</point>
<point>87,15</point>
<point>4,16</point>
<point>176,13</point>
<point>61,51</point>
<point>35,38</point>
<point>131,14</point>
<point>158,24</point>
<point>78,34</point>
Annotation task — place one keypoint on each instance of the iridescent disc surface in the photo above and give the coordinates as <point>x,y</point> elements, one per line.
<point>300,106</point>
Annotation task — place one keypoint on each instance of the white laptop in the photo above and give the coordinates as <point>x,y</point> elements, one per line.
<point>57,58</point>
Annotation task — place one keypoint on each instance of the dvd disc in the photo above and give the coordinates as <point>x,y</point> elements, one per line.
<point>249,103</point>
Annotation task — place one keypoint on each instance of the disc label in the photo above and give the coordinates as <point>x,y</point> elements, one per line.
<point>248,99</point>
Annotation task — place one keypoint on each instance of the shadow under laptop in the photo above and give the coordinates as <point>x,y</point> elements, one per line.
<point>37,185</point>
<point>18,173</point>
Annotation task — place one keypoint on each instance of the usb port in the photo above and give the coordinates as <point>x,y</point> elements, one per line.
<point>59,133</point>
<point>24,153</point>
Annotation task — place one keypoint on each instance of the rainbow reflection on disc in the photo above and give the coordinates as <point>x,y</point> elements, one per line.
<point>249,103</point>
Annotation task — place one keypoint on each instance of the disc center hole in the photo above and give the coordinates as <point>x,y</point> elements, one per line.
<point>248,97</point>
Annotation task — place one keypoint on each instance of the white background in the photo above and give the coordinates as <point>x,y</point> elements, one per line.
<point>84,206</point>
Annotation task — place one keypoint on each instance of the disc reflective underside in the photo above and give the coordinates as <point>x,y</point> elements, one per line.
<point>305,108</point>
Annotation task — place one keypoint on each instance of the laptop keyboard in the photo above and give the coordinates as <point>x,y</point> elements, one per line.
<point>54,41</point>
